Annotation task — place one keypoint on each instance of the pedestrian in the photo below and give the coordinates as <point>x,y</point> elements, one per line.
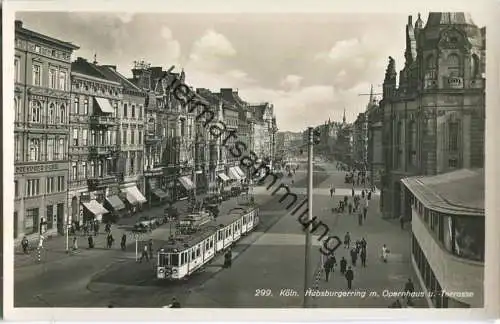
<point>150,248</point>
<point>75,243</point>
<point>360,219</point>
<point>96,228</point>
<point>343,265</point>
<point>385,253</point>
<point>349,207</point>
<point>110,240</point>
<point>107,228</point>
<point>331,192</point>
<point>409,289</point>
<point>365,212</point>
<point>175,303</point>
<point>363,243</point>
<point>369,196</point>
<point>228,256</point>
<point>40,242</point>
<point>352,191</point>
<point>349,275</point>
<point>144,254</point>
<point>25,245</point>
<point>354,256</point>
<point>123,242</point>
<point>91,242</point>
<point>329,266</point>
<point>345,200</point>
<point>362,256</point>
<point>402,222</point>
<point>347,240</point>
<point>362,194</point>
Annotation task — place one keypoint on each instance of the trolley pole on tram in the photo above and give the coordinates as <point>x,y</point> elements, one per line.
<point>307,265</point>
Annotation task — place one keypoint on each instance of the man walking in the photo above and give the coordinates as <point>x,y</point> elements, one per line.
<point>347,240</point>
<point>363,257</point>
<point>150,248</point>
<point>144,254</point>
<point>343,265</point>
<point>354,256</point>
<point>349,275</point>
<point>328,266</point>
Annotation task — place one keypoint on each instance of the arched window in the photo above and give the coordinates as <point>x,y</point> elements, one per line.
<point>17,111</point>
<point>36,112</point>
<point>99,169</point>
<point>62,114</point>
<point>474,66</point>
<point>92,169</point>
<point>51,115</point>
<point>34,149</point>
<point>453,64</point>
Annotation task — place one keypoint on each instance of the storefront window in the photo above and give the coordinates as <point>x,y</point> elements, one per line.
<point>447,233</point>
<point>469,237</point>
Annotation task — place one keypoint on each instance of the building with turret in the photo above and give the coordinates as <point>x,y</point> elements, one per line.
<point>433,119</point>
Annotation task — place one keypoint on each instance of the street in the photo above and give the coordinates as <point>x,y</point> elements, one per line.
<point>269,261</point>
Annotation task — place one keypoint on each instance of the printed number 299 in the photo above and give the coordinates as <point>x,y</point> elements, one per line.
<point>262,292</point>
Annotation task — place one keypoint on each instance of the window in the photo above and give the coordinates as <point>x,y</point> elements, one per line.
<point>51,114</point>
<point>50,185</point>
<point>453,163</point>
<point>17,69</point>
<point>34,150</point>
<point>60,150</point>
<point>52,78</point>
<point>62,114</point>
<point>74,171</point>
<point>86,107</point>
<point>75,137</point>
<point>37,75</point>
<point>61,185</point>
<point>124,138</point>
<point>62,80</point>
<point>131,170</point>
<point>183,126</point>
<point>92,169</point>
<point>474,66</point>
<point>115,109</point>
<point>132,111</point>
<point>469,237</point>
<point>100,170</point>
<point>139,140</point>
<point>50,149</point>
<point>16,188</point>
<point>453,64</point>
<point>32,187</point>
<point>85,137</point>
<point>453,136</point>
<point>17,109</point>
<point>50,216</point>
<point>36,112</point>
<point>93,138</point>
<point>84,170</point>
<point>140,111</point>
<point>37,49</point>
<point>125,110</point>
<point>31,221</point>
<point>75,106</point>
<point>132,136</point>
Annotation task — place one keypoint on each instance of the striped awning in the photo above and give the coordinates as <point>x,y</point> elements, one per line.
<point>240,172</point>
<point>115,202</point>
<point>95,208</point>
<point>134,196</point>
<point>234,174</point>
<point>186,182</point>
<point>223,177</point>
<point>104,105</point>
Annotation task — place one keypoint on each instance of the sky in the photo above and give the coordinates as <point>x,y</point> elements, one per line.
<point>309,66</point>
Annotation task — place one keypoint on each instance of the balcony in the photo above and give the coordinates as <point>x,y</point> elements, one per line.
<point>102,121</point>
<point>96,183</point>
<point>103,150</point>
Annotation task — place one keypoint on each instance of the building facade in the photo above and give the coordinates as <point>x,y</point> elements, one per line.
<point>375,146</point>
<point>288,144</point>
<point>448,228</point>
<point>93,146</point>
<point>360,141</point>
<point>42,67</point>
<point>434,119</point>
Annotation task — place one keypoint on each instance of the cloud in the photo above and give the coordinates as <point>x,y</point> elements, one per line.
<point>341,50</point>
<point>172,49</point>
<point>126,17</point>
<point>291,81</point>
<point>208,51</point>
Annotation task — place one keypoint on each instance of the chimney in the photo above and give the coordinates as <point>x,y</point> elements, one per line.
<point>410,18</point>
<point>18,24</point>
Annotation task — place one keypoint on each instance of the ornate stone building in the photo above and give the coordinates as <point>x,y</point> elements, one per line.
<point>42,67</point>
<point>434,119</point>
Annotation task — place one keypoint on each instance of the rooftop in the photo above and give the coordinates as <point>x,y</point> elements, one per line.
<point>111,74</point>
<point>82,66</point>
<point>54,41</point>
<point>458,192</point>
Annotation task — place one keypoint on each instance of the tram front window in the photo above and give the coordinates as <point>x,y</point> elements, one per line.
<point>163,259</point>
<point>174,259</point>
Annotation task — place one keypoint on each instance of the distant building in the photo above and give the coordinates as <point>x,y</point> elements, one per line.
<point>288,144</point>
<point>375,142</point>
<point>448,241</point>
<point>434,119</point>
<point>42,67</point>
<point>360,141</point>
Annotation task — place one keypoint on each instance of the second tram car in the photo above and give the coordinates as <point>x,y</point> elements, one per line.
<point>185,254</point>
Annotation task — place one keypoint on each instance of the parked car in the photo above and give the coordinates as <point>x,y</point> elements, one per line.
<point>146,223</point>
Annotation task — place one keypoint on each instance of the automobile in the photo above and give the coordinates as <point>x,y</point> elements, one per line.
<point>146,223</point>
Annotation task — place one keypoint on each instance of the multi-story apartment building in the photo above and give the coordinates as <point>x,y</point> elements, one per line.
<point>42,67</point>
<point>434,120</point>
<point>375,148</point>
<point>216,151</point>
<point>360,141</point>
<point>93,149</point>
<point>130,118</point>
<point>264,131</point>
<point>288,144</point>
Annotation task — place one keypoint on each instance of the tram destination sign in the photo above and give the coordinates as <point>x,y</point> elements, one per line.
<point>21,169</point>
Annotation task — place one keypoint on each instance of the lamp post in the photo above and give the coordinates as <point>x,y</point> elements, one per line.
<point>308,242</point>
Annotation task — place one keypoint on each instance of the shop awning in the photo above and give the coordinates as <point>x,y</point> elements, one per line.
<point>115,202</point>
<point>104,105</point>
<point>134,196</point>
<point>240,172</point>
<point>234,174</point>
<point>160,193</point>
<point>223,177</point>
<point>186,183</point>
<point>95,208</point>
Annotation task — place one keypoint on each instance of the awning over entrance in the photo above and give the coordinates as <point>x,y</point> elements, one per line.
<point>223,177</point>
<point>240,172</point>
<point>104,105</point>
<point>234,174</point>
<point>134,196</point>
<point>186,183</point>
<point>116,203</point>
<point>95,208</point>
<point>160,193</point>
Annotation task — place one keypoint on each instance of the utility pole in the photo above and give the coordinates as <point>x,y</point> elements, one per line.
<point>307,265</point>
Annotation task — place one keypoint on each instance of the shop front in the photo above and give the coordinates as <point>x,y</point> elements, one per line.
<point>134,199</point>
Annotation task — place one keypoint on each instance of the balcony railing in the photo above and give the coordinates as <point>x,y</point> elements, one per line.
<point>104,121</point>
<point>101,182</point>
<point>103,150</point>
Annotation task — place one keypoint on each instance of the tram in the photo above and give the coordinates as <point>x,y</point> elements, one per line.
<point>185,254</point>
